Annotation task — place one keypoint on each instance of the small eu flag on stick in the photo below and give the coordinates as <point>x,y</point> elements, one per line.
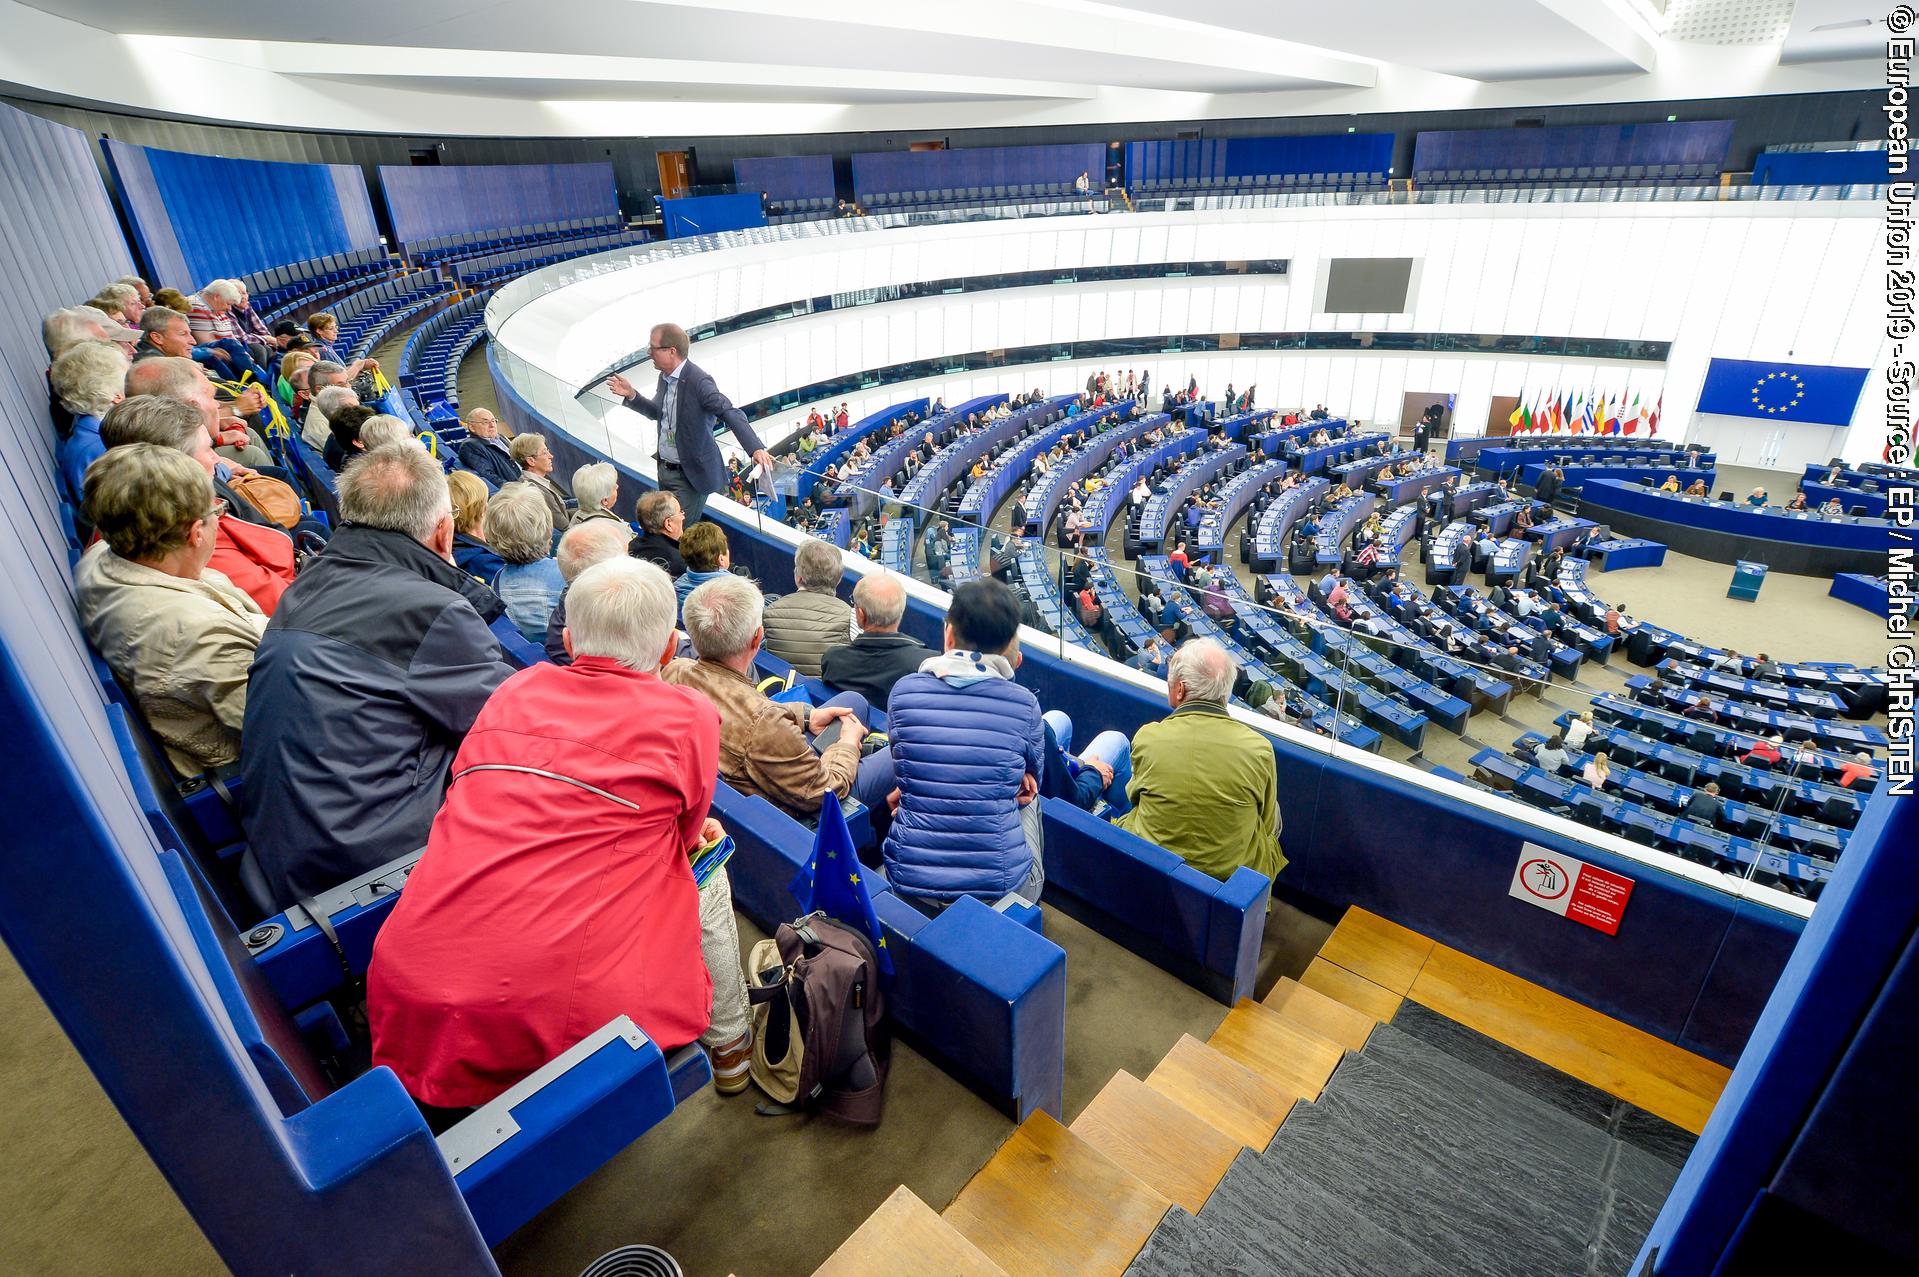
<point>830,881</point>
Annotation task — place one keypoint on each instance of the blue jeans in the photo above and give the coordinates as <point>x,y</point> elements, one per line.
<point>239,361</point>
<point>875,779</point>
<point>1111,748</point>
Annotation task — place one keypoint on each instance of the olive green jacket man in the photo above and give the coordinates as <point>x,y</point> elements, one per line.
<point>1207,788</point>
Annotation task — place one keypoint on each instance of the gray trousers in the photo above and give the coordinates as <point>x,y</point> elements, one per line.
<point>692,500</point>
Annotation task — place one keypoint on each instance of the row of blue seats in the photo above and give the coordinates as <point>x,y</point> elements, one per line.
<point>797,204</point>
<point>1257,183</point>
<point>1567,174</point>
<point>280,290</point>
<point>496,268</point>
<point>430,361</point>
<point>444,248</point>
<point>882,201</point>
<point>370,315</point>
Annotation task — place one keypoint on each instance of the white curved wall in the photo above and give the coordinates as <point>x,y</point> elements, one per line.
<point>1789,281</point>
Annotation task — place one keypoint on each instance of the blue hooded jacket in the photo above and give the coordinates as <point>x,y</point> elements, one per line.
<point>960,751</point>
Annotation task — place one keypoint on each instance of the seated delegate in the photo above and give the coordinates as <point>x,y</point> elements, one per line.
<point>969,751</point>
<point>376,662</point>
<point>519,530</point>
<point>176,633</point>
<point>874,662</point>
<point>803,625</point>
<point>1205,786</point>
<point>555,892</point>
<point>789,754</point>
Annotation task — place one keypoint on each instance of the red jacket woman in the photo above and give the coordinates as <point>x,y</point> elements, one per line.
<point>556,892</point>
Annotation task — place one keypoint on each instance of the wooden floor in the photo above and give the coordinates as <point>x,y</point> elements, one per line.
<point>1634,1065</point>
<point>1083,1201</point>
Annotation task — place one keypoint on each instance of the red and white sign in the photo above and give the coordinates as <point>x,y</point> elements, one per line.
<point>1571,888</point>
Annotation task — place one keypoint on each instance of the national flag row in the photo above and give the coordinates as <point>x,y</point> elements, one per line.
<point>1585,412</point>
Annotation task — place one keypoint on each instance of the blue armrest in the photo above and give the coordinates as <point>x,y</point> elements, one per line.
<point>518,1154</point>
<point>982,993</point>
<point>1205,931</point>
<point>299,962</point>
<point>987,997</point>
<point>519,650</point>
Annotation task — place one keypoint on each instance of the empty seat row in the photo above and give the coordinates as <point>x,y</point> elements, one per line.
<point>369,316</point>
<point>789,205</point>
<point>1248,183</point>
<point>1570,174</point>
<point>440,248</point>
<point>283,292</point>
<point>881,201</point>
<point>497,268</point>
<point>430,365</point>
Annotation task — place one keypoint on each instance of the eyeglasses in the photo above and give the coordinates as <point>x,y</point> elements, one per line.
<point>219,508</point>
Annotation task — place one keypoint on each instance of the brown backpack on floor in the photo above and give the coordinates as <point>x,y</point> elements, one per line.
<point>819,1040</point>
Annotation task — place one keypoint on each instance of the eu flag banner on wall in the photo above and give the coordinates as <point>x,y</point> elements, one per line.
<point>1818,393</point>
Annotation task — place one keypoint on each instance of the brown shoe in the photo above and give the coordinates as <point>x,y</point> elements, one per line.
<point>731,1064</point>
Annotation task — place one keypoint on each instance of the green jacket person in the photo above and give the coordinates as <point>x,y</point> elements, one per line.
<point>1204,785</point>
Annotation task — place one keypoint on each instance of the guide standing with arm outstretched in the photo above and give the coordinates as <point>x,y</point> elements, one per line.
<point>688,407</point>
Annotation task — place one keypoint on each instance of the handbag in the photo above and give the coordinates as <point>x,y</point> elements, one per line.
<point>270,497</point>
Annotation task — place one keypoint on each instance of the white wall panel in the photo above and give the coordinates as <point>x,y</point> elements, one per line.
<point>1777,281</point>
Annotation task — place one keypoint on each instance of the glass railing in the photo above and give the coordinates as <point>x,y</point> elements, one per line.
<point>1370,676</point>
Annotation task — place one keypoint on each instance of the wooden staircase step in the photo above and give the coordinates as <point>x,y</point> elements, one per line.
<point>1050,1203</point>
<point>1355,991</point>
<point>1328,1017</point>
<point>1291,1056</point>
<point>1595,1048</point>
<point>1163,1143</point>
<point>1230,1096</point>
<point>907,1235</point>
<point>1380,950</point>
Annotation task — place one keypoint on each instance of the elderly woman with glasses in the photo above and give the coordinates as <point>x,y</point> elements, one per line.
<point>177,634</point>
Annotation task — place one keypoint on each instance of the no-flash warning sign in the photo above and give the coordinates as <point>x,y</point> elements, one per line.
<point>1571,888</point>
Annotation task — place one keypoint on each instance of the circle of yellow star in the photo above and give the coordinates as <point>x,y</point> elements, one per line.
<point>1798,393</point>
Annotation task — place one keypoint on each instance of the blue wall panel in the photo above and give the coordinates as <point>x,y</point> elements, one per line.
<point>1689,142</point>
<point>429,201</point>
<point>886,172</point>
<point>786,177</point>
<point>201,217</point>
<point>706,214</point>
<point>1821,168</point>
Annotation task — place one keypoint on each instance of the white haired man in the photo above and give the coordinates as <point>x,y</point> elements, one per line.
<point>187,381</point>
<point>554,895</point>
<point>584,545</point>
<point>1205,785</point>
<point>485,453</point>
<point>764,744</point>
<point>881,656</point>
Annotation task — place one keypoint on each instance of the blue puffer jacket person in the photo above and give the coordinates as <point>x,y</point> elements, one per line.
<point>968,752</point>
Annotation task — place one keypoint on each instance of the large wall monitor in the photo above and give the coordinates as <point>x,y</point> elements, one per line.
<point>1367,285</point>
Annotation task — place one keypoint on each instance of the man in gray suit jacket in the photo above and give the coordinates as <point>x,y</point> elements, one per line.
<point>688,407</point>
